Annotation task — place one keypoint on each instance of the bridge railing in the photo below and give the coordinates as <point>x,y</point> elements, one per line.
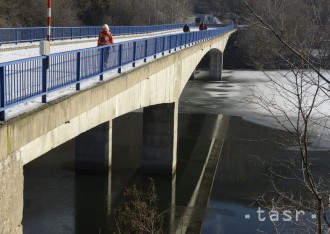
<point>26,79</point>
<point>18,35</point>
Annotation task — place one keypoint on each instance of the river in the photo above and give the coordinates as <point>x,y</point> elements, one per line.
<point>58,200</point>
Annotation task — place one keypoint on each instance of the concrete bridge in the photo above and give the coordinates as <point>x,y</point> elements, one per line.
<point>155,86</point>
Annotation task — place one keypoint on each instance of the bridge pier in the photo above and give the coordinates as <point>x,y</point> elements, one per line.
<point>160,123</point>
<point>216,64</point>
<point>93,148</point>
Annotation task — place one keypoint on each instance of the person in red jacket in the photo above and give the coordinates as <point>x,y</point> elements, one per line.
<point>105,38</point>
<point>202,26</point>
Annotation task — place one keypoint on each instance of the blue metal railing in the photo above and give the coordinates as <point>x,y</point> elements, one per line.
<point>25,79</point>
<point>18,35</point>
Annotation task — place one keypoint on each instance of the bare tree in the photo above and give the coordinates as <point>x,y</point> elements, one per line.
<point>139,213</point>
<point>300,96</point>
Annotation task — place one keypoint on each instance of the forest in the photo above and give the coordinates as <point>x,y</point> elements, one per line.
<point>33,13</point>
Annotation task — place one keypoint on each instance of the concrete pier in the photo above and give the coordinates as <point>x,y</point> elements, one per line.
<point>216,64</point>
<point>93,148</point>
<point>160,123</point>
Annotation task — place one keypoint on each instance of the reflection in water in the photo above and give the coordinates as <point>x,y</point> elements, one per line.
<point>83,203</point>
<point>59,201</point>
<point>91,203</point>
<point>248,154</point>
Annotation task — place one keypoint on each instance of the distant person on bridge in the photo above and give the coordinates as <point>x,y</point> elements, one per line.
<point>105,38</point>
<point>186,28</point>
<point>202,26</point>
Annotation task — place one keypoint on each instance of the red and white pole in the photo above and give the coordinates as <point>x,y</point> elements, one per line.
<point>49,19</point>
<point>45,44</point>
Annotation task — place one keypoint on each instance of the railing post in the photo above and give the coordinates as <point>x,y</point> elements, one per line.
<point>2,93</point>
<point>134,53</point>
<point>163,45</point>
<point>16,36</point>
<point>120,56</point>
<point>176,41</point>
<point>185,40</point>
<point>45,67</point>
<point>180,41</point>
<point>102,63</point>
<point>190,39</point>
<point>155,52</point>
<point>44,33</point>
<point>78,71</point>
<point>145,50</point>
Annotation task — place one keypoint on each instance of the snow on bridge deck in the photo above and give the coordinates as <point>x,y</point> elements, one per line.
<point>11,52</point>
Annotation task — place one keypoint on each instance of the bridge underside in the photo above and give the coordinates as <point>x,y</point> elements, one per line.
<point>155,86</point>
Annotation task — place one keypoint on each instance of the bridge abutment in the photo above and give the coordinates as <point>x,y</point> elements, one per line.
<point>160,123</point>
<point>216,64</point>
<point>11,194</point>
<point>93,148</point>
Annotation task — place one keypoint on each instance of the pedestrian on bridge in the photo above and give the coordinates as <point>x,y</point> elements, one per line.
<point>186,28</point>
<point>105,38</point>
<point>202,26</point>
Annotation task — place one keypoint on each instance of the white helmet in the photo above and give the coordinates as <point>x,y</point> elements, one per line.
<point>105,26</point>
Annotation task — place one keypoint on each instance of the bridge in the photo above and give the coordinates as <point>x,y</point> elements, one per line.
<point>149,73</point>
